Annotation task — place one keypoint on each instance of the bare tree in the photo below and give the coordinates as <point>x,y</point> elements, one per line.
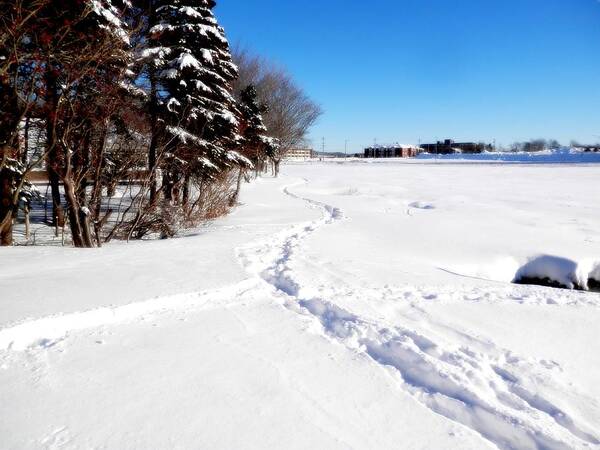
<point>291,113</point>
<point>18,83</point>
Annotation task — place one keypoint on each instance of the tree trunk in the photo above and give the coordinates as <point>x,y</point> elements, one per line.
<point>9,132</point>
<point>96,197</point>
<point>27,222</point>
<point>78,217</point>
<point>52,162</point>
<point>186,190</point>
<point>6,211</point>
<point>25,154</point>
<point>236,195</point>
<point>82,165</point>
<point>167,187</point>
<point>153,139</point>
<point>6,229</point>
<point>58,213</point>
<point>10,112</point>
<point>84,221</point>
<point>152,164</point>
<point>81,238</point>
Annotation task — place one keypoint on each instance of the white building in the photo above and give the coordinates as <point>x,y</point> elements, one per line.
<point>299,153</point>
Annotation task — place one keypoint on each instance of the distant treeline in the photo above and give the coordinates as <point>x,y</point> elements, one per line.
<point>537,145</point>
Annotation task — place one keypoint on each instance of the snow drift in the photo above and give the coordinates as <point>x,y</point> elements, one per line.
<point>554,271</point>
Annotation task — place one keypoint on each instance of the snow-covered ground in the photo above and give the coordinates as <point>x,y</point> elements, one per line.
<point>344,305</point>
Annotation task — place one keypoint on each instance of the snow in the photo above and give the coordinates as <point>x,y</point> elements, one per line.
<point>185,60</point>
<point>239,159</point>
<point>109,14</point>
<point>200,86</point>
<point>173,104</point>
<point>186,10</point>
<point>595,272</point>
<point>170,73</point>
<point>344,305</point>
<point>202,29</point>
<point>206,163</point>
<point>156,52</point>
<point>185,136</point>
<point>207,56</point>
<point>189,11</point>
<point>228,116</point>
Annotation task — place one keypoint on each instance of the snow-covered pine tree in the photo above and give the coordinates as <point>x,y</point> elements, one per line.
<point>256,145</point>
<point>192,74</point>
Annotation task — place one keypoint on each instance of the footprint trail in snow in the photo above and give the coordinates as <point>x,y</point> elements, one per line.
<point>472,382</point>
<point>505,398</point>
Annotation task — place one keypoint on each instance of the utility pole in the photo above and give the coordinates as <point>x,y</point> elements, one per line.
<point>346,148</point>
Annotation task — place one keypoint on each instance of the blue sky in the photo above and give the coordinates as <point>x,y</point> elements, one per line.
<point>404,70</point>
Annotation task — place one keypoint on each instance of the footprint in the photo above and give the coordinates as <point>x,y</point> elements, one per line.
<point>59,438</point>
<point>422,205</point>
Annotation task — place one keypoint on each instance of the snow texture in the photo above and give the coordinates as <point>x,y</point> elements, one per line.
<point>331,310</point>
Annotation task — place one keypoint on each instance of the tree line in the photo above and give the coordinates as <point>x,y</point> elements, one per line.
<point>538,145</point>
<point>136,96</point>
<point>535,145</point>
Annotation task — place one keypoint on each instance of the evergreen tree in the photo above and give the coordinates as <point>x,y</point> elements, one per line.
<point>256,145</point>
<point>191,76</point>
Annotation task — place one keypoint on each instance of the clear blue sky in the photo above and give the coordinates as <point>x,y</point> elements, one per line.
<point>404,70</point>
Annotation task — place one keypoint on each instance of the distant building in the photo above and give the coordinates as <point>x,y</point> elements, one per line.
<point>300,153</point>
<point>449,146</point>
<point>393,151</point>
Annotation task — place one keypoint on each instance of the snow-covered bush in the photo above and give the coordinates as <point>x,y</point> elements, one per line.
<point>595,273</point>
<point>554,270</point>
